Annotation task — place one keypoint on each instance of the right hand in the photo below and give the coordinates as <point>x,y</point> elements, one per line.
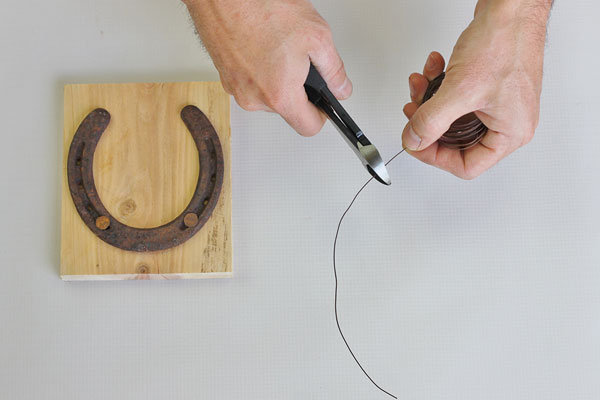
<point>263,50</point>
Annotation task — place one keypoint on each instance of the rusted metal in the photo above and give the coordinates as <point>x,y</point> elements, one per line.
<point>105,226</point>
<point>466,131</point>
<point>190,220</point>
<point>102,222</point>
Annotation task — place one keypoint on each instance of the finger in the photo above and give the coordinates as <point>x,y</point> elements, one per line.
<point>302,115</point>
<point>434,66</point>
<point>263,107</point>
<point>417,84</point>
<point>435,116</point>
<point>493,147</point>
<point>479,159</point>
<point>409,109</point>
<point>469,163</point>
<point>331,67</point>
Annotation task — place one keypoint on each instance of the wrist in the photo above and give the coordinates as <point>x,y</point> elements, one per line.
<point>525,18</point>
<point>535,11</point>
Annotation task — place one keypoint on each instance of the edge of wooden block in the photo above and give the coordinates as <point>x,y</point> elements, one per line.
<point>146,277</point>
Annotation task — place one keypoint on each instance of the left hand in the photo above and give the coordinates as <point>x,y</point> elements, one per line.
<point>495,71</point>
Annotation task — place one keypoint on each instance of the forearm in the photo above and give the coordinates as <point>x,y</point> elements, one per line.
<point>521,23</point>
<point>207,14</point>
<point>219,21</point>
<point>227,11</point>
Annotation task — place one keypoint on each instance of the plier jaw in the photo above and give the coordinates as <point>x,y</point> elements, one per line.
<point>319,94</point>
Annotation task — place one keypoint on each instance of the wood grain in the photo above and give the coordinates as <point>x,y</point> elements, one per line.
<point>146,168</point>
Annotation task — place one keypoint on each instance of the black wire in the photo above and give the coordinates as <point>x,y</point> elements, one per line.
<point>337,321</point>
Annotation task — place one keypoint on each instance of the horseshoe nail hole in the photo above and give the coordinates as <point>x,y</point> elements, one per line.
<point>213,178</point>
<point>78,162</point>
<point>205,202</point>
<point>190,220</point>
<point>102,222</point>
<point>143,269</point>
<point>141,247</point>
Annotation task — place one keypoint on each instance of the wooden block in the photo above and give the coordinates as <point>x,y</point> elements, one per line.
<point>146,168</point>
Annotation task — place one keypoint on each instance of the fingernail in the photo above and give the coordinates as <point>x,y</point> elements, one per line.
<point>431,62</point>
<point>344,86</point>
<point>410,139</point>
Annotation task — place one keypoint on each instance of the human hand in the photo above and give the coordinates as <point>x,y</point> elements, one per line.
<point>263,49</point>
<point>495,71</point>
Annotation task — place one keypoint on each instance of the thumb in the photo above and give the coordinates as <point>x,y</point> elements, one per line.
<point>433,118</point>
<point>331,67</point>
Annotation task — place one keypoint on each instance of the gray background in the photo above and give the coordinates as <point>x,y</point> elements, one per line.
<point>488,289</point>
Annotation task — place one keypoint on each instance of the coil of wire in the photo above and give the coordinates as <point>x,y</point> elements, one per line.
<point>466,131</point>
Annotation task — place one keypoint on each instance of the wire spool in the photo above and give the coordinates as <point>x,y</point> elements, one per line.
<point>466,131</point>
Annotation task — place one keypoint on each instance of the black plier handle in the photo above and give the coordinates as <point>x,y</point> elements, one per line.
<point>319,94</point>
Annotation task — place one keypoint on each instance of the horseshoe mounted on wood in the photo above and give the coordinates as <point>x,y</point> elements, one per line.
<point>109,229</point>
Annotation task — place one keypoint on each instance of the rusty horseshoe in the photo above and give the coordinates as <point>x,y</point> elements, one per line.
<point>183,227</point>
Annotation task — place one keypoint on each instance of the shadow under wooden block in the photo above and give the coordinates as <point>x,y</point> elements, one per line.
<point>145,170</point>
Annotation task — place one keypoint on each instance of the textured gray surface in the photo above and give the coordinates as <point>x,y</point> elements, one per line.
<point>448,289</point>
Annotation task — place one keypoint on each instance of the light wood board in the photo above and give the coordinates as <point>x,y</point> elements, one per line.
<point>146,169</point>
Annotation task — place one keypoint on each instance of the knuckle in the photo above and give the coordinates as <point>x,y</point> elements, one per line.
<point>338,72</point>
<point>528,136</point>
<point>471,85</point>
<point>469,174</point>
<point>321,36</point>
<point>529,131</point>
<point>276,100</point>
<point>247,104</point>
<point>310,131</point>
<point>304,123</point>
<point>473,94</point>
<point>226,85</point>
